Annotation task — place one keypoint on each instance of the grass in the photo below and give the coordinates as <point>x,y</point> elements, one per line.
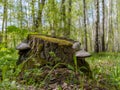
<point>105,71</point>
<point>106,67</point>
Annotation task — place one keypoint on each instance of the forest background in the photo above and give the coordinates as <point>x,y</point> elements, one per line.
<point>94,23</point>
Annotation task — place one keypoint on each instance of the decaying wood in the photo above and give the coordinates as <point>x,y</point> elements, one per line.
<point>49,50</point>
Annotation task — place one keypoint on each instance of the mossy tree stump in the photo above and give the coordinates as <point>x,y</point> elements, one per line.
<point>38,50</point>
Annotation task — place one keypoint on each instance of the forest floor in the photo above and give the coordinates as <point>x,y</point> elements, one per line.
<point>105,69</point>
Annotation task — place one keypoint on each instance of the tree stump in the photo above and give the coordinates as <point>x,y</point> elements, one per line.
<point>38,50</point>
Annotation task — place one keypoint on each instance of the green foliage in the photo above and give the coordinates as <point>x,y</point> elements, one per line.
<point>75,63</point>
<point>15,35</point>
<point>16,30</point>
<point>105,68</point>
<point>8,58</point>
<point>13,28</point>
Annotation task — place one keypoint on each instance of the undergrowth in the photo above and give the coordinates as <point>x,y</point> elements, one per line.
<point>105,71</point>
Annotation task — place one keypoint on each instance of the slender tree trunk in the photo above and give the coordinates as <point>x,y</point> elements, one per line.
<point>110,35</point>
<point>63,18</point>
<point>10,18</point>
<point>117,25</point>
<point>3,21</point>
<point>21,14</point>
<point>41,4</point>
<point>103,27</point>
<point>97,27</point>
<point>6,41</point>
<point>116,29</point>
<point>69,18</point>
<point>53,21</point>
<point>85,28</point>
<point>4,24</point>
<point>33,15</point>
<point>93,28</point>
<point>110,40</point>
<point>26,16</point>
<point>4,15</point>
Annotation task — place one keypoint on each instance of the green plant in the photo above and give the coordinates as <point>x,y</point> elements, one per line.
<point>75,63</point>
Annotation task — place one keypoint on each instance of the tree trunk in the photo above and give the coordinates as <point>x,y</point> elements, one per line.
<point>63,18</point>
<point>103,27</point>
<point>85,28</point>
<point>110,40</point>
<point>93,28</point>
<point>117,27</point>
<point>53,21</point>
<point>41,50</point>
<point>33,15</point>
<point>97,27</point>
<point>21,14</point>
<point>4,23</point>
<point>4,15</point>
<point>41,4</point>
<point>69,19</point>
<point>6,41</point>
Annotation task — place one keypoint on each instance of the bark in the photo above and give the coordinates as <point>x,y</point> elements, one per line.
<point>26,16</point>
<point>46,50</point>
<point>41,4</point>
<point>33,15</point>
<point>103,27</point>
<point>63,14</point>
<point>110,36</point>
<point>4,15</point>
<point>97,27</point>
<point>21,14</point>
<point>93,28</point>
<point>117,26</point>
<point>53,21</point>
<point>85,28</point>
<point>69,18</point>
<point>4,23</point>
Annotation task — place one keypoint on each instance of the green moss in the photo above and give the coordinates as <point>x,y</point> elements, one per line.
<point>39,62</point>
<point>54,40</point>
<point>33,33</point>
<point>40,47</point>
<point>34,62</point>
